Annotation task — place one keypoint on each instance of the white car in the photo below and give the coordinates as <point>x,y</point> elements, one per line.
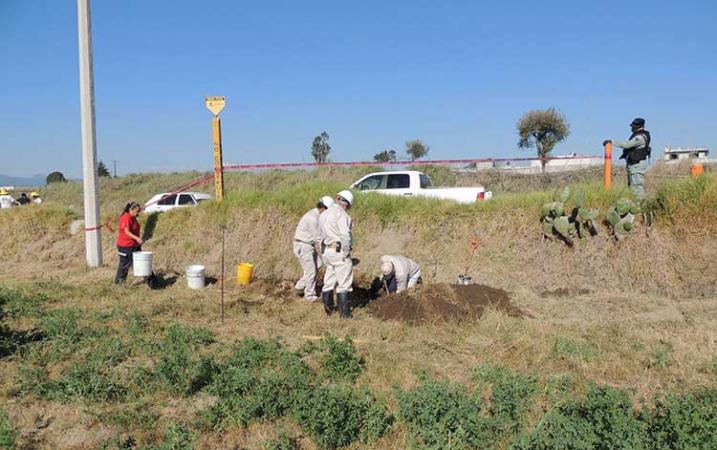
<point>411,183</point>
<point>167,200</point>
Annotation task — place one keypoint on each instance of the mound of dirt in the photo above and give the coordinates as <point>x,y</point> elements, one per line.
<point>442,303</point>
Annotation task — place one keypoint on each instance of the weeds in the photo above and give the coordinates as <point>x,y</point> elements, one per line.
<point>603,420</point>
<point>259,381</point>
<point>566,348</point>
<point>281,442</point>
<point>7,432</point>
<point>339,360</point>
<point>336,416</point>
<point>178,368</point>
<point>441,415</point>
<point>511,394</point>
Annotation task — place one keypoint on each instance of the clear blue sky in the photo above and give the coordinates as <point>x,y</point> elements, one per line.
<point>373,74</point>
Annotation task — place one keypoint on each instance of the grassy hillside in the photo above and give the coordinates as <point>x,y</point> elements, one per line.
<point>614,347</point>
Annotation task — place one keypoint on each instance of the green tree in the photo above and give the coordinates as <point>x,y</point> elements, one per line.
<point>320,148</point>
<point>102,170</point>
<point>542,129</point>
<point>388,155</point>
<point>416,149</point>
<point>55,177</point>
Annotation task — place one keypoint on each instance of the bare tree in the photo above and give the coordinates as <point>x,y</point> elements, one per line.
<point>542,129</point>
<point>416,149</point>
<point>320,148</point>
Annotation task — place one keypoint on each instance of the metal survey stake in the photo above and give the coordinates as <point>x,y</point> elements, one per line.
<point>223,227</point>
<point>216,105</point>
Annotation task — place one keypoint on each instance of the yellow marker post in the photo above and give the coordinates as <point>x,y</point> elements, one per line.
<point>216,105</point>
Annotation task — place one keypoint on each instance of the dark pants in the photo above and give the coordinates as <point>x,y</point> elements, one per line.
<point>125,263</point>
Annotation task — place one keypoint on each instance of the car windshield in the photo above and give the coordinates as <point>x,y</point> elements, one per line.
<point>425,181</point>
<point>169,200</point>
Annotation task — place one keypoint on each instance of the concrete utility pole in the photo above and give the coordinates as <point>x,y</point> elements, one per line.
<point>93,241</point>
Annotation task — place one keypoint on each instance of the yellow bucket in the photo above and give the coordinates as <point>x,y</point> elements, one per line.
<point>244,273</point>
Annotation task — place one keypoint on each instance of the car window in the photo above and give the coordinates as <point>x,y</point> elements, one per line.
<point>170,200</point>
<point>425,181</point>
<point>186,199</point>
<point>371,183</point>
<point>398,181</point>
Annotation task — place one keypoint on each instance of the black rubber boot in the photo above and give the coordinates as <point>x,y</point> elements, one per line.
<point>345,304</point>
<point>328,298</point>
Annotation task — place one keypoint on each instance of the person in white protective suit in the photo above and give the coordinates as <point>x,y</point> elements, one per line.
<point>306,246</point>
<point>399,273</point>
<point>335,227</point>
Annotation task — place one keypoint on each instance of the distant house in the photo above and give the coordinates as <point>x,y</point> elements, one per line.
<point>679,154</point>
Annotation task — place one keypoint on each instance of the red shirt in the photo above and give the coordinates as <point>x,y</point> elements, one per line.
<point>127,222</point>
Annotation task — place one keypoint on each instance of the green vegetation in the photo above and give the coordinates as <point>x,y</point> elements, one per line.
<point>119,364</point>
<point>565,222</point>
<point>621,217</point>
<point>7,432</point>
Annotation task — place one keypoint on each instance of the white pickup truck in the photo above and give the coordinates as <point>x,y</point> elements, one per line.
<point>411,183</point>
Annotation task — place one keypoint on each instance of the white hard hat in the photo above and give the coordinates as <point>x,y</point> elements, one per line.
<point>347,195</point>
<point>386,268</point>
<point>327,201</point>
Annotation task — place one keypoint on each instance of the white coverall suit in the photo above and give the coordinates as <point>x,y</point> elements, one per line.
<point>406,271</point>
<point>335,228</point>
<point>306,238</point>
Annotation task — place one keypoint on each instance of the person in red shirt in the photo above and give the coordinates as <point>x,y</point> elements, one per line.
<point>128,240</point>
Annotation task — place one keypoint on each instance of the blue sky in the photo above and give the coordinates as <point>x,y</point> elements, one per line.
<point>373,74</point>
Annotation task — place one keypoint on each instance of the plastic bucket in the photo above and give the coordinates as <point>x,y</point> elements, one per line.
<point>244,273</point>
<point>195,276</point>
<point>142,264</point>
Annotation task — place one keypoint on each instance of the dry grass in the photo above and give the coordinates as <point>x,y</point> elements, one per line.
<point>638,314</point>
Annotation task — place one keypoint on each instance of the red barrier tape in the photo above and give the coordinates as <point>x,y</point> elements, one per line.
<point>206,178</point>
<point>396,163</point>
<point>182,188</point>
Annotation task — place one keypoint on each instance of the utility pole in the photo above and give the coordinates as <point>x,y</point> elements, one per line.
<point>114,163</point>
<point>93,241</point>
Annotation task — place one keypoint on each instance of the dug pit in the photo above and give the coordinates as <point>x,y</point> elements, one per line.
<point>442,303</point>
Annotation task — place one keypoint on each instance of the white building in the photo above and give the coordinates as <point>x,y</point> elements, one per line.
<point>680,154</point>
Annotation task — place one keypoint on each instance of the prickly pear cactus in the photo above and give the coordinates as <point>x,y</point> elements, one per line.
<point>565,223</point>
<point>621,217</point>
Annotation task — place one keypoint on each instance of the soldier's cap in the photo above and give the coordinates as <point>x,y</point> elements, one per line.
<point>638,122</point>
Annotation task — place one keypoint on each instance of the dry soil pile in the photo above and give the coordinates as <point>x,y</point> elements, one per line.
<point>442,303</point>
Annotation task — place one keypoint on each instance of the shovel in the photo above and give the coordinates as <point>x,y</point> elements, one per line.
<point>465,278</point>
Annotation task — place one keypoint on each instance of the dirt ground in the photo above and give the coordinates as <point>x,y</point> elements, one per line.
<point>442,303</point>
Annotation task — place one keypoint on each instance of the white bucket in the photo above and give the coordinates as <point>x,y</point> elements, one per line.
<point>142,264</point>
<point>195,276</point>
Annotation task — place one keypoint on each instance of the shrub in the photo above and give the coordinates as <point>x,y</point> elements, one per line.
<point>336,416</point>
<point>603,420</point>
<point>685,422</point>
<point>55,177</point>
<point>441,415</point>
<point>259,381</point>
<point>510,395</point>
<point>339,360</point>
